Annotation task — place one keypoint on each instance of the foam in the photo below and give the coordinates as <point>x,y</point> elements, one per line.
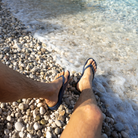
<point>105,30</point>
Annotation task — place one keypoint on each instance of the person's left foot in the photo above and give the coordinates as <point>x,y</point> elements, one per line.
<point>56,84</point>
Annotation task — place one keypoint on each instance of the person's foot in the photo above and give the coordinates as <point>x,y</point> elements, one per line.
<point>86,80</point>
<point>56,84</point>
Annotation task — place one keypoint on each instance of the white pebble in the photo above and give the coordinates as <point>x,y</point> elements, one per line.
<point>48,134</point>
<point>37,126</point>
<point>9,118</point>
<point>29,135</point>
<point>42,110</point>
<point>58,123</point>
<point>18,126</point>
<point>21,134</point>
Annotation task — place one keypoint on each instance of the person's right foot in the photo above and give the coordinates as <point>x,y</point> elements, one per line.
<point>86,80</point>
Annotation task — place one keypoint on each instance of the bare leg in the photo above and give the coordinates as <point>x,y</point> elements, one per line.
<point>86,120</point>
<point>14,86</point>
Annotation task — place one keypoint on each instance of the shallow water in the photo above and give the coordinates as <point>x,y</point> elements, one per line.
<point>106,30</point>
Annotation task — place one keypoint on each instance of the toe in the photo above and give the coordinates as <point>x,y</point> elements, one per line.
<point>89,62</point>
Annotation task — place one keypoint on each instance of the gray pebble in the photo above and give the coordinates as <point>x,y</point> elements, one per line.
<point>124,134</point>
<point>119,127</point>
<point>58,123</point>
<point>57,130</point>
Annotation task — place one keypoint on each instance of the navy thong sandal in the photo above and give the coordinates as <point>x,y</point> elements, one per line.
<point>84,68</point>
<point>61,92</point>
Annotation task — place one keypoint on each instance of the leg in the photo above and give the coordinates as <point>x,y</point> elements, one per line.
<point>86,120</point>
<point>14,86</point>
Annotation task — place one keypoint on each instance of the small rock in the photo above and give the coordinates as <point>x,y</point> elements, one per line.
<point>43,122</point>
<point>0,111</point>
<point>9,118</point>
<point>36,126</point>
<point>18,126</point>
<point>104,136</point>
<point>119,127</point>
<point>114,134</point>
<point>21,106</point>
<point>61,107</point>
<point>37,118</point>
<point>67,101</point>
<point>58,123</point>
<point>21,134</point>
<point>62,113</point>
<point>42,110</point>
<point>48,134</point>
<point>9,126</point>
<point>6,131</point>
<point>124,134</point>
<point>3,105</point>
<point>57,130</point>
<point>62,118</point>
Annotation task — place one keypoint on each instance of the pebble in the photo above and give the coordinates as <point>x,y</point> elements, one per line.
<point>42,110</point>
<point>21,106</point>
<point>21,134</point>
<point>9,126</point>
<point>57,130</point>
<point>104,136</point>
<point>114,134</point>
<point>48,134</point>
<point>0,111</point>
<point>6,131</point>
<point>9,118</point>
<point>119,127</point>
<point>18,126</point>
<point>124,134</point>
<point>58,123</point>
<point>36,126</point>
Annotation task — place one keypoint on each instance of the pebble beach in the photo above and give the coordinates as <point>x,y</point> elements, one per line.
<point>30,118</point>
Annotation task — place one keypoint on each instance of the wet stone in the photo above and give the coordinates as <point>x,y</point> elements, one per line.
<point>119,127</point>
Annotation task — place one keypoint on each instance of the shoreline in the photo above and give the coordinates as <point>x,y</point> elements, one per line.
<point>20,53</point>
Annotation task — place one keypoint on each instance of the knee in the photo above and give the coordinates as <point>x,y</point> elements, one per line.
<point>92,112</point>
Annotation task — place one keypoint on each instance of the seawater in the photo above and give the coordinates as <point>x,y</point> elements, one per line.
<point>106,30</point>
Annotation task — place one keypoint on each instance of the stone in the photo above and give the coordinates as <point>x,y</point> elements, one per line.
<point>104,136</point>
<point>124,134</point>
<point>6,131</point>
<point>36,126</point>
<point>37,118</point>
<point>107,130</point>
<point>62,113</point>
<point>114,134</point>
<point>62,118</point>
<point>9,118</point>
<point>3,105</point>
<point>21,106</point>
<point>57,130</point>
<point>18,126</point>
<point>48,134</point>
<point>43,122</point>
<point>0,111</point>
<point>9,126</point>
<point>21,134</point>
<point>58,123</point>
<point>42,110</point>
<point>67,101</point>
<point>119,127</point>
